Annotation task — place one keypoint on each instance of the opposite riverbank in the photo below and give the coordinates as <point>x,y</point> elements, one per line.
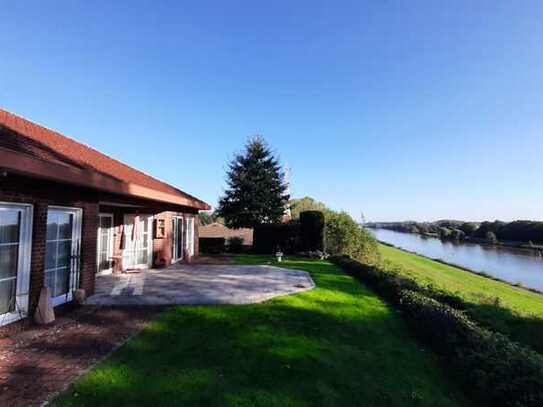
<point>501,306</point>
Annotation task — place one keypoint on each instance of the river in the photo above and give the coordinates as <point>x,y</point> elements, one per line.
<point>506,263</point>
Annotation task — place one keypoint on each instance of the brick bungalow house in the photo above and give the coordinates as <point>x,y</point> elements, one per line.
<point>69,212</point>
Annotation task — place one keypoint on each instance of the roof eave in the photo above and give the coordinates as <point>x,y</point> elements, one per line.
<point>34,167</point>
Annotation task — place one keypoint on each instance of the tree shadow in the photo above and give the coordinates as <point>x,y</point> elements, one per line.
<point>268,355</point>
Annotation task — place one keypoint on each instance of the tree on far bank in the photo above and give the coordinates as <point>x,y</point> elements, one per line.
<point>256,192</point>
<point>491,237</point>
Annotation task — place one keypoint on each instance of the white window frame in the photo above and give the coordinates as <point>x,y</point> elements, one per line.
<point>99,242</point>
<point>189,243</point>
<point>175,237</point>
<point>149,242</point>
<point>76,251</point>
<point>23,262</point>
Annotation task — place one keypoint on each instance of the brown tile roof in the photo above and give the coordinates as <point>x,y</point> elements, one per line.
<point>52,145</point>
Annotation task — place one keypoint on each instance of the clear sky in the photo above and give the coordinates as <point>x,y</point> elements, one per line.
<point>398,109</point>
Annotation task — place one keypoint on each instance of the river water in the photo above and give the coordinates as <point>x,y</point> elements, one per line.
<point>509,264</point>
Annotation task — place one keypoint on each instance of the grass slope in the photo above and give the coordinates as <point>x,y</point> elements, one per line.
<point>504,307</point>
<point>336,345</point>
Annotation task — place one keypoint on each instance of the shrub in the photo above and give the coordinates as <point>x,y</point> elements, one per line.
<point>312,231</point>
<point>267,238</point>
<point>495,369</point>
<point>235,244</point>
<point>345,236</point>
<point>211,245</point>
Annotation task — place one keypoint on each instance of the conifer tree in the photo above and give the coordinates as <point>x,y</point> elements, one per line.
<point>255,193</point>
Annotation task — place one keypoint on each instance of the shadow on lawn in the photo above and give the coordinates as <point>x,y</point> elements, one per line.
<point>268,354</point>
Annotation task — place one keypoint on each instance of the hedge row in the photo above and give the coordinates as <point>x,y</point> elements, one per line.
<point>268,238</point>
<point>305,235</point>
<point>312,231</point>
<point>496,370</point>
<point>212,245</point>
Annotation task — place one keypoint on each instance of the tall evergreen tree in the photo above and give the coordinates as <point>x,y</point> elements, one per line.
<point>256,192</point>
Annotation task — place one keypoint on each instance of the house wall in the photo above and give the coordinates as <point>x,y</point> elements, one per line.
<point>42,194</point>
<point>162,247</point>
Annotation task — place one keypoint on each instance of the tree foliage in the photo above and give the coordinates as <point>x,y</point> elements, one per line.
<point>205,218</point>
<point>305,204</point>
<point>256,193</point>
<point>345,236</point>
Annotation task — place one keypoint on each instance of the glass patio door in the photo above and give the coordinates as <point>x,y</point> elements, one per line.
<point>105,243</point>
<point>137,242</point>
<point>178,239</point>
<point>62,246</point>
<point>15,242</point>
<point>190,236</point>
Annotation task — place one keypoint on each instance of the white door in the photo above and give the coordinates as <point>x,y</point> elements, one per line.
<point>137,242</point>
<point>190,236</point>
<point>15,248</point>
<point>105,244</point>
<point>62,246</point>
<point>178,238</point>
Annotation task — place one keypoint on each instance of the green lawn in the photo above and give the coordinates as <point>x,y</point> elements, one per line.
<point>504,307</point>
<point>336,345</point>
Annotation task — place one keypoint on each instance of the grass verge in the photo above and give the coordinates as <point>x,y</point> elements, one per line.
<point>338,344</point>
<point>503,307</point>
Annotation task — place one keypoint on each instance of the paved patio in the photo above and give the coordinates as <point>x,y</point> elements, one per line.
<point>199,284</point>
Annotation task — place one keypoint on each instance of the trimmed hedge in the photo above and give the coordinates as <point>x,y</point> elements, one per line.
<point>312,231</point>
<point>496,370</point>
<point>211,245</point>
<point>269,237</point>
<point>235,244</point>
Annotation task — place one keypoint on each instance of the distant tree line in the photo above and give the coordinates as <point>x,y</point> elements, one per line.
<point>522,231</point>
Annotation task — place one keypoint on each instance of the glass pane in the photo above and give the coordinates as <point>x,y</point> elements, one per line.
<point>104,242</point>
<point>65,225</point>
<point>61,283</point>
<point>52,226</point>
<point>64,253</point>
<point>103,261</point>
<point>179,238</point>
<point>128,260</point>
<point>9,226</point>
<point>50,255</point>
<point>7,296</point>
<point>142,257</point>
<point>50,281</point>
<point>105,222</point>
<point>145,226</point>
<point>8,261</point>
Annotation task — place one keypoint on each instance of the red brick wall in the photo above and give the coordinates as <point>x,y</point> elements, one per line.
<point>162,248</point>
<point>41,194</point>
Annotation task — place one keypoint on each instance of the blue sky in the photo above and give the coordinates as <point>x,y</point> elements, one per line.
<point>401,110</point>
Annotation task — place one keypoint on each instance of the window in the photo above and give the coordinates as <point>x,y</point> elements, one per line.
<point>61,252</point>
<point>15,242</point>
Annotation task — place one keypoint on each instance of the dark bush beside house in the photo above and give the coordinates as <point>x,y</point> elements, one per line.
<point>211,245</point>
<point>235,244</point>
<point>312,231</point>
<point>268,237</point>
<point>496,370</point>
